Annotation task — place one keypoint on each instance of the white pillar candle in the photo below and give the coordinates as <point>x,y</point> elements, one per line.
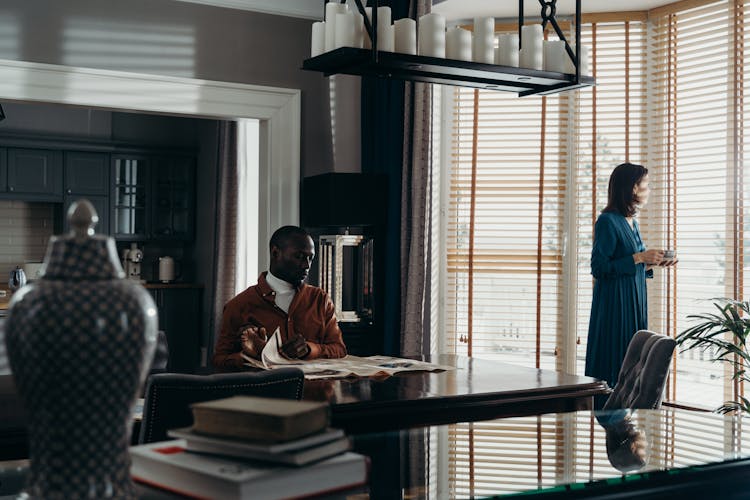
<point>386,41</point>
<point>332,8</point>
<point>318,41</point>
<point>385,30</point>
<point>507,50</point>
<point>431,35</point>
<point>359,29</point>
<point>458,44</point>
<point>555,57</point>
<point>483,46</point>
<point>531,55</point>
<point>405,36</point>
<point>345,30</point>
<point>584,58</point>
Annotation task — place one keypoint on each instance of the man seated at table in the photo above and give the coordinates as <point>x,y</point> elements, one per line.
<point>303,313</point>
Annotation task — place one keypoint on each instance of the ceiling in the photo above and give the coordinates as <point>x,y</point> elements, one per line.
<point>466,9</point>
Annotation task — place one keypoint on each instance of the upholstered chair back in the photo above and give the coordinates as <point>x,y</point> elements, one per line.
<point>644,372</point>
<point>169,395</point>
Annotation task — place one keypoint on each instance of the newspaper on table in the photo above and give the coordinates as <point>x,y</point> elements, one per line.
<point>349,366</point>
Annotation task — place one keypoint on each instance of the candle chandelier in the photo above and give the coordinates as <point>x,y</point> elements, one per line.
<point>367,54</point>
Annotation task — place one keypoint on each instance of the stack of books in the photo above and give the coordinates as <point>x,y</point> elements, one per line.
<point>249,447</point>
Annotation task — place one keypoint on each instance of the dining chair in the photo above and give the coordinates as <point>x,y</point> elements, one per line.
<point>644,372</point>
<point>169,395</point>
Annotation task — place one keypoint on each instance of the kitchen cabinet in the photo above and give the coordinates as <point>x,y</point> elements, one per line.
<point>153,197</point>
<point>128,197</point>
<point>179,311</point>
<point>87,176</point>
<point>172,194</point>
<point>34,174</point>
<point>3,170</point>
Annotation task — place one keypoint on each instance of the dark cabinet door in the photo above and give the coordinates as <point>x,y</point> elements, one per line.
<point>129,197</point>
<point>173,195</point>
<point>3,170</point>
<point>86,173</point>
<point>180,318</point>
<point>35,173</point>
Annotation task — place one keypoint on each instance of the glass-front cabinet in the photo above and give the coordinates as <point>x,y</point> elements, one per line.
<point>173,186</point>
<point>129,200</point>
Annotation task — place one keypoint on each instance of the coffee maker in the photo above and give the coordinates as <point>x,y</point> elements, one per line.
<point>132,258</point>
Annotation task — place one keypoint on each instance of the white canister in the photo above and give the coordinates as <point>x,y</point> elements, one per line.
<point>166,269</point>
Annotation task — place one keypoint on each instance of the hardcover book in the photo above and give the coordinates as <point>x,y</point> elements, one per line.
<point>260,419</point>
<point>297,452</point>
<point>168,465</point>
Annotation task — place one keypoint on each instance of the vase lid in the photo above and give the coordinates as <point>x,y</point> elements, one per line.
<point>80,254</point>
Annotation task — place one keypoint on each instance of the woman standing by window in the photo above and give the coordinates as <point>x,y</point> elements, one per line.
<point>620,265</point>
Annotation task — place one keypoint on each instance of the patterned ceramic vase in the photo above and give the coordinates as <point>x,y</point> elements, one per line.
<point>80,340</point>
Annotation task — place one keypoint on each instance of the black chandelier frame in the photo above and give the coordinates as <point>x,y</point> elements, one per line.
<point>373,62</point>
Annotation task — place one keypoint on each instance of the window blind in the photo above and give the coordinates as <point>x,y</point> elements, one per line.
<point>670,95</point>
<point>697,79</point>
<point>504,228</point>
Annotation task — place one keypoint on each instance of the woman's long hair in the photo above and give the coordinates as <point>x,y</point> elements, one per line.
<point>620,196</point>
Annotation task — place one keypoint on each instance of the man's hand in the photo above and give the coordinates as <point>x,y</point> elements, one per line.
<point>253,340</point>
<point>296,348</point>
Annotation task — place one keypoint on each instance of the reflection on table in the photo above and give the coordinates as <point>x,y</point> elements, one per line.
<point>477,389</point>
<point>647,453</point>
<point>564,454</point>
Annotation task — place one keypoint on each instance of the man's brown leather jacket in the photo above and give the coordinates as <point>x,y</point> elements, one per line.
<point>311,314</point>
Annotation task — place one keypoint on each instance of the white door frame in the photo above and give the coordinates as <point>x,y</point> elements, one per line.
<point>278,110</point>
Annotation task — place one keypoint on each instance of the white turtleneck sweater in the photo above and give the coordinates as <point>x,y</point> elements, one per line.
<point>284,292</point>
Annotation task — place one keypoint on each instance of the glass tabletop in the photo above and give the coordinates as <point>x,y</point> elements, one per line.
<point>559,455</point>
<point>547,453</point>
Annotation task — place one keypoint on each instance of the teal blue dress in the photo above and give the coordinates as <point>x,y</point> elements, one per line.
<point>619,308</point>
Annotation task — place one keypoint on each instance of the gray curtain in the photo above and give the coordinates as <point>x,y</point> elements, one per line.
<point>416,195</point>
<point>416,217</point>
<point>225,237</point>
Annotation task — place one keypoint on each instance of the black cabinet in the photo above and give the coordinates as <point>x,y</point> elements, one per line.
<point>87,176</point>
<point>180,317</point>
<point>172,210</point>
<point>153,197</point>
<point>3,170</point>
<point>34,174</point>
<point>129,195</point>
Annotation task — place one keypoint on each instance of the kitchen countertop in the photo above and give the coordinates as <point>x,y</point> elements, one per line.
<point>4,301</point>
<point>157,284</point>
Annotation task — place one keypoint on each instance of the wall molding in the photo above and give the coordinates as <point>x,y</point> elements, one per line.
<point>278,109</point>
<point>305,9</point>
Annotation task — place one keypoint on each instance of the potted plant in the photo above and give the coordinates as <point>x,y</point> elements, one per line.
<point>710,333</point>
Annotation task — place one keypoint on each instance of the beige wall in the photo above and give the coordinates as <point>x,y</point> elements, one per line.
<point>25,229</point>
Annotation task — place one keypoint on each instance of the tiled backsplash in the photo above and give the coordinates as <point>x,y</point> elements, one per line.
<point>25,229</point>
